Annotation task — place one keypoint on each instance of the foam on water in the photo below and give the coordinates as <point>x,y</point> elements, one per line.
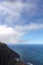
<point>29,64</point>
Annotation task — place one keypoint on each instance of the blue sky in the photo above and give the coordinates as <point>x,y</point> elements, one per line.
<point>21,21</point>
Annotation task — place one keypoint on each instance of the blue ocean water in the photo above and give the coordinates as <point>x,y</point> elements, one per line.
<point>30,53</point>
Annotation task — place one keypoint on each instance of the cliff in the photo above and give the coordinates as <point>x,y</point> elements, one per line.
<point>8,56</point>
<point>20,63</point>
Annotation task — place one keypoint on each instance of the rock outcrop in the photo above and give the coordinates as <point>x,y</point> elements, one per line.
<point>8,56</point>
<point>20,63</point>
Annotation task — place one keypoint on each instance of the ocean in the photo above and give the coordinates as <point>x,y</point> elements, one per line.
<point>30,54</point>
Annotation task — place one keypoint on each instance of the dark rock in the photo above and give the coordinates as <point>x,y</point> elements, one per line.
<point>20,63</point>
<point>8,56</point>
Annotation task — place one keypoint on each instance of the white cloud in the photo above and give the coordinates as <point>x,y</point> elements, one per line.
<point>8,34</point>
<point>12,10</point>
<point>26,29</point>
<point>29,27</point>
<point>14,35</point>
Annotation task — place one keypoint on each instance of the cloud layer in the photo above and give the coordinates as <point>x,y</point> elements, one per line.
<point>9,35</point>
<point>13,35</point>
<point>15,19</point>
<point>11,12</point>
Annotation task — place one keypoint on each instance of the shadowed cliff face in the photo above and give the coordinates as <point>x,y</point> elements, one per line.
<point>8,56</point>
<point>20,63</point>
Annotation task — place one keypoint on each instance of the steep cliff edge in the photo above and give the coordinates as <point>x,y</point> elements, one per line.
<point>8,56</point>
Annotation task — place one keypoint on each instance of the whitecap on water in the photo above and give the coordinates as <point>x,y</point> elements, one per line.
<point>29,64</point>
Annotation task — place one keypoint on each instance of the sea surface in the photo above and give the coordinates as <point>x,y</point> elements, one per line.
<point>30,54</point>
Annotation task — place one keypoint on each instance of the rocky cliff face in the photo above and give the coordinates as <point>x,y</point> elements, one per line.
<point>8,56</point>
<point>20,63</point>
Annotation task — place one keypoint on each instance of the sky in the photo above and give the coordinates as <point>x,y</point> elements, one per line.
<point>21,21</point>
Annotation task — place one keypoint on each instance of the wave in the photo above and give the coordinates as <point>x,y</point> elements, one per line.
<point>29,64</point>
